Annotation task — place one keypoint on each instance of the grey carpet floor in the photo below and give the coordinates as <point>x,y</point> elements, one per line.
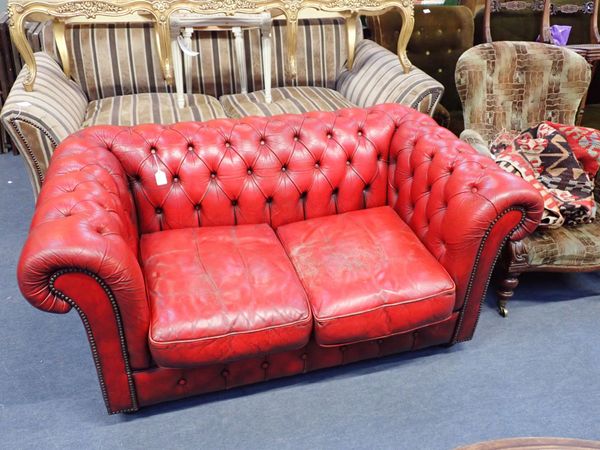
<point>536,373</point>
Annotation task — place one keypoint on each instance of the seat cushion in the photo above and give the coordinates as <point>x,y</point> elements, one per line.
<point>285,100</point>
<point>219,294</point>
<point>160,108</point>
<point>367,276</point>
<point>565,246</point>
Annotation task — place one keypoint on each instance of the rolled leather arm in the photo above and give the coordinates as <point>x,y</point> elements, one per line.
<point>377,77</point>
<point>459,203</point>
<point>38,121</point>
<point>82,246</point>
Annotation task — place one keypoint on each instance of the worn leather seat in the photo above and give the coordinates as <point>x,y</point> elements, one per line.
<point>367,276</point>
<point>215,295</point>
<point>184,287</point>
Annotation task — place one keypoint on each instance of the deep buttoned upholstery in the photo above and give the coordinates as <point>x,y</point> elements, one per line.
<point>155,331</point>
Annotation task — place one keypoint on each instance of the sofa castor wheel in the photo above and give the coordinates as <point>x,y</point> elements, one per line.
<point>503,310</point>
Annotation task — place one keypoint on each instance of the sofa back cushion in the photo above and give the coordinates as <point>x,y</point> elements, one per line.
<point>121,59</point>
<point>273,170</point>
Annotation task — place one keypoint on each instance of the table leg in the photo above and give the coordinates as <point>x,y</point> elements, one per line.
<point>265,32</point>
<point>351,37</point>
<point>187,59</point>
<point>240,53</point>
<point>292,45</point>
<point>162,31</point>
<point>177,70</point>
<point>60,40</point>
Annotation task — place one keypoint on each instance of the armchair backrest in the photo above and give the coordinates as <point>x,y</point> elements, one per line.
<point>112,60</point>
<point>515,85</point>
<point>581,15</point>
<point>529,10</point>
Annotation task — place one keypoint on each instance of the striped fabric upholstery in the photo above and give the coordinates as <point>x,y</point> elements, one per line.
<point>151,108</point>
<point>130,63</point>
<point>36,121</point>
<point>287,100</point>
<point>377,77</point>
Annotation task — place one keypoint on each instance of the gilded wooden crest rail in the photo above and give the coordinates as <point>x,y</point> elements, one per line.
<point>160,11</point>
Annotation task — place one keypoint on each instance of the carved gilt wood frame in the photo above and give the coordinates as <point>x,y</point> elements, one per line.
<point>160,11</point>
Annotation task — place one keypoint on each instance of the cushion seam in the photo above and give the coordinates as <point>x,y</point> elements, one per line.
<point>384,336</point>
<point>343,316</point>
<point>304,320</point>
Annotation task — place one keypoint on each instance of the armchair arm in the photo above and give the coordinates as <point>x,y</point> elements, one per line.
<point>81,252</point>
<point>460,204</point>
<point>38,121</point>
<point>476,140</point>
<point>377,77</point>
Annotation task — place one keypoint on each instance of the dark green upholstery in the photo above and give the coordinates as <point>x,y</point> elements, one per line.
<point>438,40</point>
<point>524,25</point>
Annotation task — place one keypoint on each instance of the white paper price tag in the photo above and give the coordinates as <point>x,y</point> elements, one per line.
<point>161,178</point>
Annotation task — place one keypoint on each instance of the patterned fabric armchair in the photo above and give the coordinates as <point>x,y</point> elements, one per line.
<point>512,86</point>
<point>117,80</point>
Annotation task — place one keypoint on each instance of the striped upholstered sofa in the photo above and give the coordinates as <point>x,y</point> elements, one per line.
<point>117,80</point>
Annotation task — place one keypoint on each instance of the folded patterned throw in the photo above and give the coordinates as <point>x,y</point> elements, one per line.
<point>561,162</point>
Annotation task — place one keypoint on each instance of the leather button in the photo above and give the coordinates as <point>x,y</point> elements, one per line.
<point>249,171</point>
<point>440,70</point>
<point>474,189</point>
<point>317,165</point>
<point>427,52</point>
<point>225,373</point>
<point>190,148</point>
<point>175,179</point>
<point>158,210</point>
<point>153,150</point>
<point>265,365</point>
<point>304,356</point>
<point>360,133</point>
<point>348,162</point>
<point>262,142</point>
<point>329,135</point>
<point>269,199</point>
<point>234,202</point>
<point>182,382</point>
<point>197,207</point>
<point>380,341</point>
<point>227,144</point>
<point>213,174</point>
<point>284,168</point>
<point>296,138</point>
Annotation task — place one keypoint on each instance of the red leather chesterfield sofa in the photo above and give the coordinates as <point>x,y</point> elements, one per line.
<point>276,246</point>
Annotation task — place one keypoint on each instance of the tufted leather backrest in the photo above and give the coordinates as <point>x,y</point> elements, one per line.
<point>256,170</point>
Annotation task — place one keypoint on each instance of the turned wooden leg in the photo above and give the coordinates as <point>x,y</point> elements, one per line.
<point>506,291</point>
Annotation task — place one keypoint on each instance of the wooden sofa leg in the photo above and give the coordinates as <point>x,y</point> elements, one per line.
<point>506,291</point>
